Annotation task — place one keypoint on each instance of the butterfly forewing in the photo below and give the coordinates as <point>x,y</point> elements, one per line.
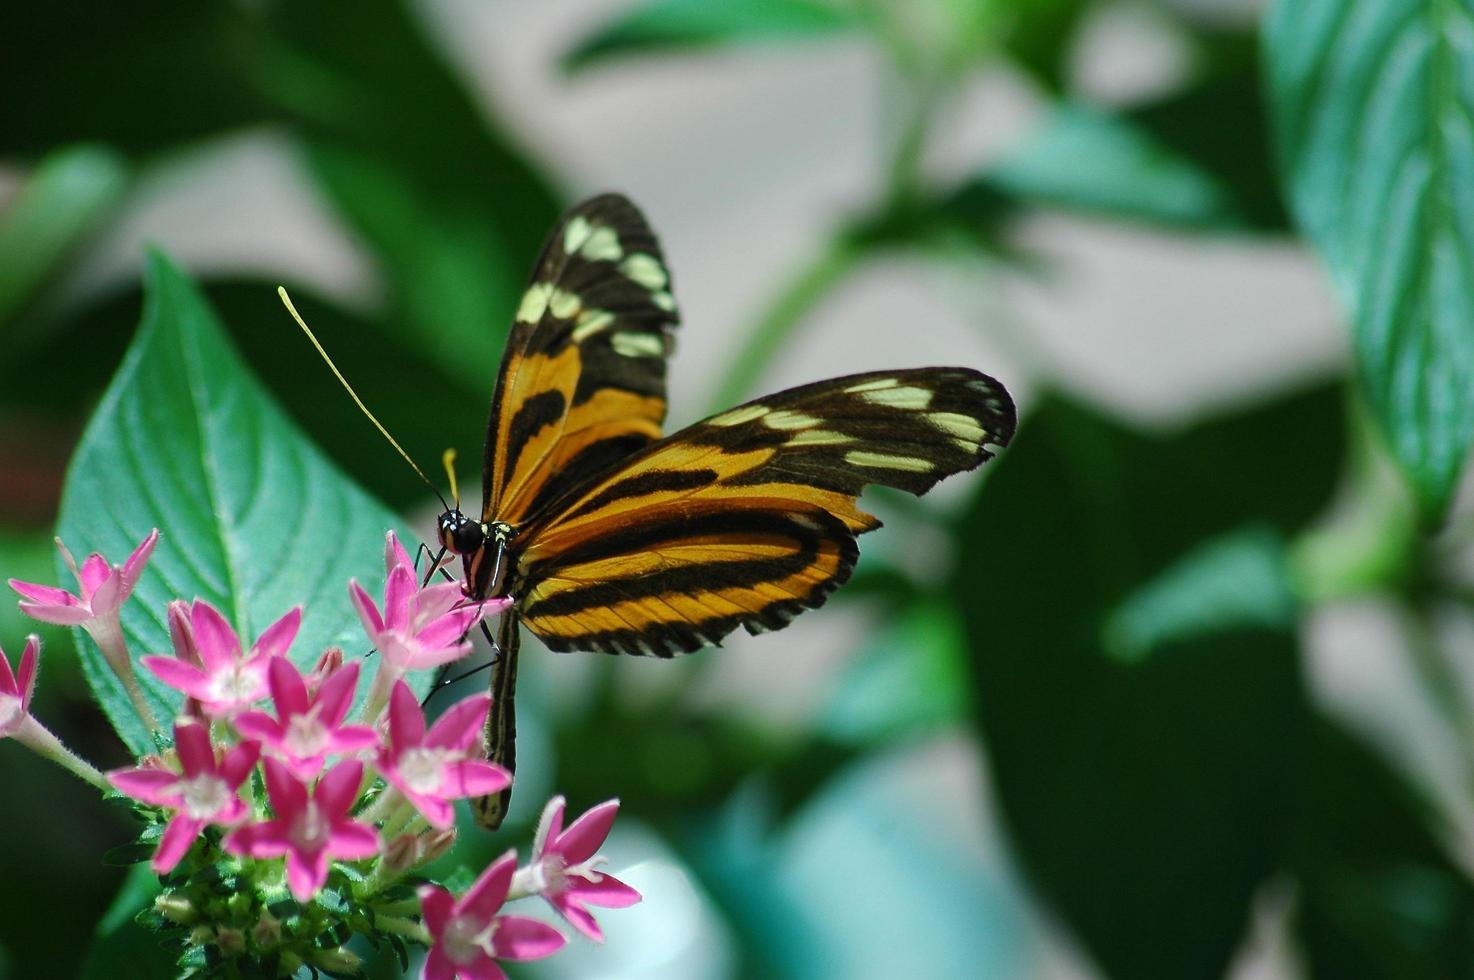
<point>748,517</point>
<point>582,382</point>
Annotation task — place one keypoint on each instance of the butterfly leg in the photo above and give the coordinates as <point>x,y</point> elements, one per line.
<point>442,682</point>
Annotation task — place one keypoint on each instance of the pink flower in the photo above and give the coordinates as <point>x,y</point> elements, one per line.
<point>307,728</point>
<point>470,937</point>
<point>431,769</point>
<point>419,628</point>
<point>563,863</point>
<point>104,589</point>
<point>225,681</point>
<point>207,792</point>
<point>310,826</point>
<point>15,689</point>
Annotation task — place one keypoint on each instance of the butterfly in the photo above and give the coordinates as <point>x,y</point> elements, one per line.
<point>610,536</point>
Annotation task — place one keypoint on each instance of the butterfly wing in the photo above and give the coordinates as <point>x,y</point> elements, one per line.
<point>748,517</point>
<point>582,382</point>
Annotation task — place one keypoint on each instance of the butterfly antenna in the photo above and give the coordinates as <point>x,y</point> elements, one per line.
<point>448,460</point>
<point>287,301</point>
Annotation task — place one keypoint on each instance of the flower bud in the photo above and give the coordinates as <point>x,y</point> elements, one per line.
<point>337,960</point>
<point>230,940</point>
<point>330,661</point>
<point>436,843</point>
<point>267,931</point>
<point>175,907</point>
<point>402,853</point>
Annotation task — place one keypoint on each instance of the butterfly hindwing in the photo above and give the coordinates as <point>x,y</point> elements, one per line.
<point>748,517</point>
<point>582,382</point>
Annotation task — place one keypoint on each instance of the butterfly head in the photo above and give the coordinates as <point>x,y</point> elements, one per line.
<point>460,534</point>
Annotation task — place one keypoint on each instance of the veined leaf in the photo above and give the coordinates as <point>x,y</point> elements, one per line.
<point>1240,579</point>
<point>1371,111</point>
<point>664,25</point>
<point>1129,173</point>
<point>252,517</point>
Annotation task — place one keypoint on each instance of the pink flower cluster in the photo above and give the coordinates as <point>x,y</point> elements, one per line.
<point>336,789</point>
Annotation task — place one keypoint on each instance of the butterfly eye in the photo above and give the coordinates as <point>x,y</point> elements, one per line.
<point>466,537</point>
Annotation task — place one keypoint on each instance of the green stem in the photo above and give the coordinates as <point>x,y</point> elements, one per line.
<point>39,739</point>
<point>783,315</point>
<point>407,928</point>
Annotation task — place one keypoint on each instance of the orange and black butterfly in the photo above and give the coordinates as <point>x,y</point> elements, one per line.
<point>611,537</point>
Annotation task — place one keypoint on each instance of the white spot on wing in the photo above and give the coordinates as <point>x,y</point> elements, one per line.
<point>602,245</point>
<point>576,234</point>
<point>873,385</point>
<point>564,306</point>
<point>739,415</point>
<point>534,302</point>
<point>789,420</point>
<point>858,457</point>
<point>820,437</point>
<point>965,428</point>
<point>644,270</point>
<point>591,322</point>
<point>906,396</point>
<point>638,344</point>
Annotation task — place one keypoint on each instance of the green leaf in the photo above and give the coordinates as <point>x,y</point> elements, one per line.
<point>1090,160</point>
<point>253,518</point>
<point>662,26</point>
<point>452,210</point>
<point>1378,896</point>
<point>71,191</point>
<point>1238,580</point>
<point>911,679</point>
<point>1371,112</point>
<point>1146,802</point>
<point>1038,35</point>
<point>121,948</point>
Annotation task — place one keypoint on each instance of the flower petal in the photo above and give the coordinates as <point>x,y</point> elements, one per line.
<point>437,905</point>
<point>46,595</point>
<point>95,571</point>
<point>156,787</point>
<point>608,892</point>
<point>406,720</point>
<point>460,726</point>
<point>214,638</point>
<point>399,593</point>
<point>579,842</point>
<point>394,553</point>
<point>57,615</point>
<point>192,742</point>
<point>520,938</point>
<point>472,777</point>
<point>259,726</point>
<point>353,841</point>
<point>178,838</point>
<point>181,633</point>
<point>26,678</point>
<point>260,840</point>
<point>288,690</point>
<point>438,966</point>
<point>367,611</point>
<point>280,634</point>
<point>8,683</point>
<point>288,796</point>
<point>335,696</point>
<point>489,891</point>
<point>424,659</point>
<point>133,567</point>
<point>179,675</point>
<point>437,812</point>
<point>306,872</point>
<point>337,790</point>
<point>352,738</point>
<point>238,763</point>
<point>448,628</point>
<point>549,826</point>
<point>576,915</point>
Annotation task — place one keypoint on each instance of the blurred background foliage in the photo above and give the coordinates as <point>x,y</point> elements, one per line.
<point>1116,708</point>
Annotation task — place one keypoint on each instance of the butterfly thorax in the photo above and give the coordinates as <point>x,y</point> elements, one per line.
<point>483,547</point>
